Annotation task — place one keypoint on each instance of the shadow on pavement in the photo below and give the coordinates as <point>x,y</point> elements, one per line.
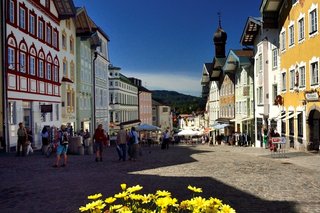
<point>30,184</point>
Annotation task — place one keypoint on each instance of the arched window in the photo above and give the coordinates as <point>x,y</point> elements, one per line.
<point>12,52</point>
<point>49,67</point>
<point>56,69</point>
<point>23,56</point>
<point>41,64</point>
<point>32,60</point>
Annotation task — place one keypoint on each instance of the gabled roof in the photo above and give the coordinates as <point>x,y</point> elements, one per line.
<point>65,8</point>
<point>250,31</point>
<point>236,58</point>
<point>84,24</point>
<point>206,72</point>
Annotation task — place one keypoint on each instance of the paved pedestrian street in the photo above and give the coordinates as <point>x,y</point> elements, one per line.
<point>247,178</point>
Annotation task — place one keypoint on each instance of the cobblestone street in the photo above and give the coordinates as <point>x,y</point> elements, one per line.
<point>247,178</point>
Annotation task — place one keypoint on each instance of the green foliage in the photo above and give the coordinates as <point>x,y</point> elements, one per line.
<point>180,103</point>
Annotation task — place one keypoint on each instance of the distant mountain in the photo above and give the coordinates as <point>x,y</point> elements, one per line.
<point>178,102</point>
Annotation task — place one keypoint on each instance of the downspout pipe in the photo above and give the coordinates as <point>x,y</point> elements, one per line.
<point>95,55</point>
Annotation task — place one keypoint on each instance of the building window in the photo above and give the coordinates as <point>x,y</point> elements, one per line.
<point>300,125</point>
<point>291,35</point>
<point>302,74</point>
<point>65,68</point>
<point>12,8</point>
<point>49,34</point>
<point>64,41</point>
<point>260,95</point>
<point>260,62</point>
<point>314,73</point>
<point>22,18</point>
<point>284,81</point>
<point>12,113</point>
<point>56,70</point>
<point>165,109</point>
<point>32,66</point>
<point>72,71</point>
<point>274,91</point>
<point>275,58</point>
<point>48,71</point>
<point>32,24</point>
<point>301,29</point>
<point>71,45</point>
<point>313,22</point>
<point>40,68</point>
<point>291,126</point>
<point>11,58</point>
<point>22,62</point>
<point>283,40</point>
<point>41,29</point>
<point>55,39</point>
<point>292,78</point>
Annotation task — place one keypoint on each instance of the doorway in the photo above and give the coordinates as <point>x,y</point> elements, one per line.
<point>314,127</point>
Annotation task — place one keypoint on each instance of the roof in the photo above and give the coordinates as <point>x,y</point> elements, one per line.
<point>251,30</point>
<point>141,88</point>
<point>65,8</point>
<point>157,103</point>
<point>218,62</point>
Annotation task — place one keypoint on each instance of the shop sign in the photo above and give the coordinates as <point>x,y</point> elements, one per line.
<point>312,96</point>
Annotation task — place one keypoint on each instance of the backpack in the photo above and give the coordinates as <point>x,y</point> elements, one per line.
<point>63,137</point>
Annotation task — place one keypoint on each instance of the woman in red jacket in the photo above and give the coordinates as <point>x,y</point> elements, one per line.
<point>100,139</point>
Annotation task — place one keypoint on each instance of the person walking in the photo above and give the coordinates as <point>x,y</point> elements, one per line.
<point>165,140</point>
<point>22,139</point>
<point>62,147</point>
<point>122,143</point>
<point>45,139</point>
<point>134,144</point>
<point>100,139</point>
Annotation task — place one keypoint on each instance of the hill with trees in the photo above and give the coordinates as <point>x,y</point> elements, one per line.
<point>179,103</point>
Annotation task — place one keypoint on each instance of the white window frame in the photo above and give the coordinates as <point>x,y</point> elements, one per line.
<point>49,71</point>
<point>41,68</point>
<point>302,77</point>
<point>301,29</point>
<point>40,29</point>
<point>11,58</point>
<point>275,58</point>
<point>292,79</point>
<point>284,81</point>
<point>313,20</point>
<point>314,74</point>
<point>55,73</point>
<point>291,35</point>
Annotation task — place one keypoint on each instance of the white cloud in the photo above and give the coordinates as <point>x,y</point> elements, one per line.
<point>169,81</point>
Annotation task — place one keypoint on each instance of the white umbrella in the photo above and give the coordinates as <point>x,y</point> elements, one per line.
<point>147,127</point>
<point>188,132</point>
<point>220,126</point>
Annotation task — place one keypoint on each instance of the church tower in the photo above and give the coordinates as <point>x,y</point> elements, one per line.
<point>220,40</point>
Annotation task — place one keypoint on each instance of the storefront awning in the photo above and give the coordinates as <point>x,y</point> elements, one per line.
<point>282,116</point>
<point>291,116</point>
<point>247,119</point>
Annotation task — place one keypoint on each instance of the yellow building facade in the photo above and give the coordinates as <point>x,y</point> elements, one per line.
<point>299,52</point>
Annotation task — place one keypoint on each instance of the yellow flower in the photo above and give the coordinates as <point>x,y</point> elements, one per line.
<point>226,209</point>
<point>115,207</point>
<point>198,202</point>
<point>164,202</point>
<point>121,195</point>
<point>123,186</point>
<point>147,198</point>
<point>83,208</point>
<point>135,197</point>
<point>163,193</point>
<point>95,196</point>
<point>134,188</point>
<point>194,189</point>
<point>110,200</point>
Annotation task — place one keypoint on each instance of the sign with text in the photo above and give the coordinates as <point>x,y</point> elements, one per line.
<point>312,96</point>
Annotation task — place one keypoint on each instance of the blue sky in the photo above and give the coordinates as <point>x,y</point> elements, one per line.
<point>166,42</point>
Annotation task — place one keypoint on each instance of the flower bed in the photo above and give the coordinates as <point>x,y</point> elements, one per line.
<point>128,200</point>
